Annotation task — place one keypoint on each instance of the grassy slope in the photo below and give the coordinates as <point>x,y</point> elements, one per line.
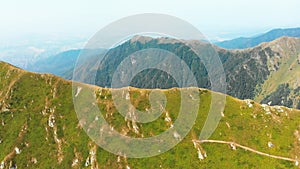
<point>32,98</point>
<point>289,69</point>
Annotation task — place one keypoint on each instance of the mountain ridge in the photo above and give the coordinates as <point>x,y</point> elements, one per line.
<point>242,42</point>
<point>246,70</point>
<point>40,128</point>
<point>235,61</point>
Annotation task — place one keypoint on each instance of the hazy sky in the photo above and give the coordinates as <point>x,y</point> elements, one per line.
<point>214,18</point>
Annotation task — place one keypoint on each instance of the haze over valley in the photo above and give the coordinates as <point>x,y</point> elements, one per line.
<point>149,84</point>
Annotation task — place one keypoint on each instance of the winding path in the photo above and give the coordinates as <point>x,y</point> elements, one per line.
<point>247,148</point>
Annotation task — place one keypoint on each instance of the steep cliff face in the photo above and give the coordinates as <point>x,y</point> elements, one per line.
<point>39,129</point>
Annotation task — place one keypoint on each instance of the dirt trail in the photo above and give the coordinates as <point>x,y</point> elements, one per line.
<point>11,84</point>
<point>247,148</point>
<point>18,141</point>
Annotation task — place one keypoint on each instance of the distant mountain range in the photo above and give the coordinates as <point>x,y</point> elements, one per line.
<point>57,64</point>
<point>63,63</point>
<point>255,73</point>
<point>39,128</point>
<point>23,51</point>
<point>267,73</point>
<point>243,42</point>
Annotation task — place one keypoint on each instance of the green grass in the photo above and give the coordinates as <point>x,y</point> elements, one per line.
<point>31,91</point>
<point>288,72</point>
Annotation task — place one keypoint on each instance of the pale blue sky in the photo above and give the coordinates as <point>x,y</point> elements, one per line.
<point>215,18</point>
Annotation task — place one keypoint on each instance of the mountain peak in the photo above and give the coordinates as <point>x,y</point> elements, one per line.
<point>141,39</point>
<point>160,40</point>
<point>168,40</point>
<point>284,39</point>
